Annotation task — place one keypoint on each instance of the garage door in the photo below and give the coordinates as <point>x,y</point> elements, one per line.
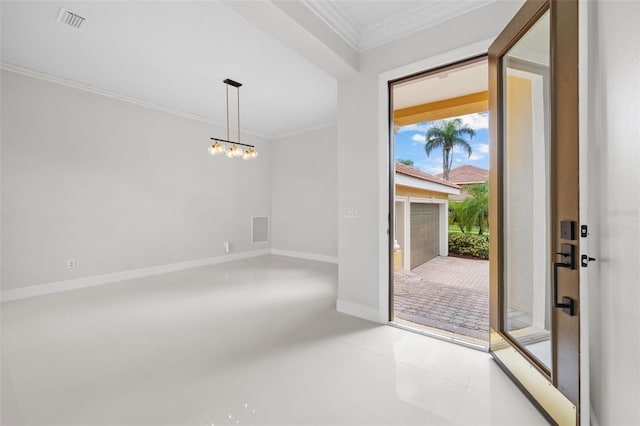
<point>425,238</point>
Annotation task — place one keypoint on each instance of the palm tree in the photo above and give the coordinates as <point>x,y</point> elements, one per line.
<point>447,134</point>
<point>475,209</point>
<point>454,215</point>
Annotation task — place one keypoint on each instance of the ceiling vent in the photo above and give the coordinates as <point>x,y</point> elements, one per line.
<point>67,17</point>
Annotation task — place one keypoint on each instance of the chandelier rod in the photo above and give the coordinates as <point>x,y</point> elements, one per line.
<point>238,98</point>
<point>232,142</point>
<point>227,90</point>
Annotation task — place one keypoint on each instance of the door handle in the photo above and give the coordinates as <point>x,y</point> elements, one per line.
<point>568,261</point>
<point>585,259</point>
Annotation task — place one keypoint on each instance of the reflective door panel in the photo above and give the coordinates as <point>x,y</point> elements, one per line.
<point>527,317</point>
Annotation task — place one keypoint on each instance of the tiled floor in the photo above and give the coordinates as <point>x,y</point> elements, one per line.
<point>446,293</point>
<point>249,342</point>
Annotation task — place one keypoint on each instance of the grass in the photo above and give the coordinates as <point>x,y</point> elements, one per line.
<point>455,229</point>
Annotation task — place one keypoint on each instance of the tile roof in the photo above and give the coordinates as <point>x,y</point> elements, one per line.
<point>467,174</point>
<point>403,169</point>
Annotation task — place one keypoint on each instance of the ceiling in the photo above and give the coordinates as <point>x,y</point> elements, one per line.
<point>365,24</point>
<point>174,55</point>
<point>461,81</point>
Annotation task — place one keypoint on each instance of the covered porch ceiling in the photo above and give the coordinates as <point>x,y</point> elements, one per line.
<point>447,93</point>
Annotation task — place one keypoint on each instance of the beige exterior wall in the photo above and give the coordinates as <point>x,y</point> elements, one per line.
<point>406,191</point>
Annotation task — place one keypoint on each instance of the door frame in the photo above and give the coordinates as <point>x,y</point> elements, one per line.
<point>385,184</point>
<point>390,194</point>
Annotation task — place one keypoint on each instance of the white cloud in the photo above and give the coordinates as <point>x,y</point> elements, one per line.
<point>429,166</point>
<point>420,165</point>
<point>461,153</point>
<point>418,138</point>
<point>482,147</point>
<point>434,170</point>
<point>476,121</point>
<point>419,127</point>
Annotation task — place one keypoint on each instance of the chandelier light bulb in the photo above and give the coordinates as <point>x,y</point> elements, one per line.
<point>216,149</point>
<point>234,151</point>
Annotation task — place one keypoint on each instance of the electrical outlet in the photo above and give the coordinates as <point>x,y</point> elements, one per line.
<point>226,246</point>
<point>71,264</point>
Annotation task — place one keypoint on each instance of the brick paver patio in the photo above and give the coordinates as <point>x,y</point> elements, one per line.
<point>447,293</point>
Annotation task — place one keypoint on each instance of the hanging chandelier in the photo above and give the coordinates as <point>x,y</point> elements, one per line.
<point>235,150</point>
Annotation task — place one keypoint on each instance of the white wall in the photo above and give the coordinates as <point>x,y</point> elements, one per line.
<point>305,193</point>
<point>363,240</point>
<point>613,184</point>
<point>115,186</point>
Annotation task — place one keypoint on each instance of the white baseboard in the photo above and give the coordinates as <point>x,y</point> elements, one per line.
<point>361,311</point>
<point>95,280</point>
<point>303,255</point>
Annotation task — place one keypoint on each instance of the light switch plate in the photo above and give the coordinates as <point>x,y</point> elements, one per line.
<point>351,212</point>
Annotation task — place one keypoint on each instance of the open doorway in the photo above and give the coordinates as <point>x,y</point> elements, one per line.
<point>439,198</point>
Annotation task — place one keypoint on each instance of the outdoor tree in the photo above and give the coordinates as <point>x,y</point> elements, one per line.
<point>409,163</point>
<point>454,215</point>
<point>474,210</point>
<point>447,134</point>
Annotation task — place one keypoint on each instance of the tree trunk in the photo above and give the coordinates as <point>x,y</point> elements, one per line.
<point>445,163</point>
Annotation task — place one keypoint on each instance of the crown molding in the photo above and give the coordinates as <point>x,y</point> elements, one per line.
<point>121,97</point>
<point>414,20</point>
<point>305,130</point>
<point>141,102</point>
<point>340,20</point>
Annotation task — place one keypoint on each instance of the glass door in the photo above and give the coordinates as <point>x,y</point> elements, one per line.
<point>534,275</point>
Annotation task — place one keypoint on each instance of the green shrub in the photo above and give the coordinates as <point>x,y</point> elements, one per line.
<point>473,245</point>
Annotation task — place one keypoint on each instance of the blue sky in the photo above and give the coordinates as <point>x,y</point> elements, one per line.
<point>410,142</point>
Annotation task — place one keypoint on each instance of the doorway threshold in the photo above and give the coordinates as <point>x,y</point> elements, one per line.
<point>469,342</point>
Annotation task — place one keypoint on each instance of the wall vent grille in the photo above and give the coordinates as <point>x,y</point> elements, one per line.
<point>67,17</point>
<point>259,229</point>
